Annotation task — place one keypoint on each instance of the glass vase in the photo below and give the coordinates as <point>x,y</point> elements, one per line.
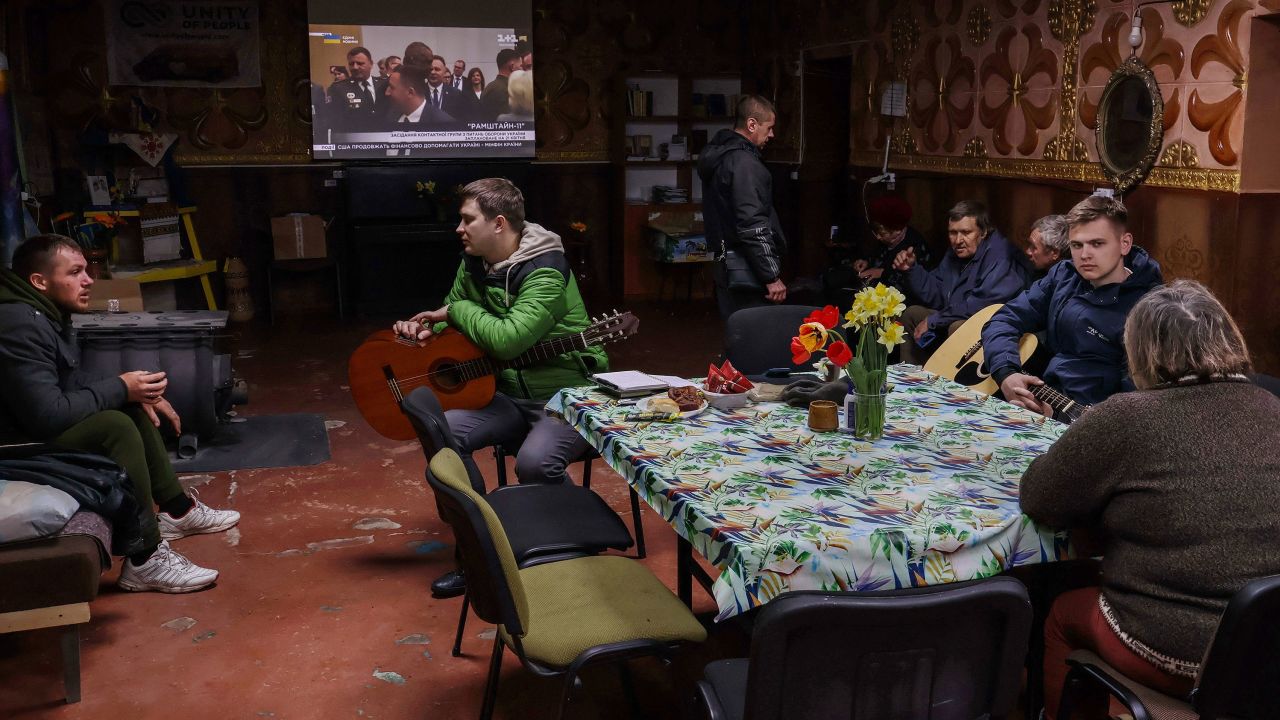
<point>864,414</point>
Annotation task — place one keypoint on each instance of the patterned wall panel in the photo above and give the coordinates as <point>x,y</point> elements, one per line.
<point>1029,105</point>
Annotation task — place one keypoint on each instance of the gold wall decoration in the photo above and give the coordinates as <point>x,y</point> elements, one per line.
<point>1066,146</point>
<point>904,143</point>
<point>1083,172</point>
<point>1180,154</point>
<point>975,148</point>
<point>979,24</point>
<point>1184,260</point>
<point>1131,87</point>
<point>906,37</point>
<point>1190,12</point>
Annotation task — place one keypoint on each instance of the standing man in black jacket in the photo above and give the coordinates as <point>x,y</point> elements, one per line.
<point>742,226</point>
<point>46,397</point>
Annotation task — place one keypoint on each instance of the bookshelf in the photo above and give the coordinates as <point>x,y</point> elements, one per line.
<point>650,109</point>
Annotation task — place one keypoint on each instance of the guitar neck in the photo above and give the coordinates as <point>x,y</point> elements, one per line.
<point>1062,405</point>
<point>544,350</point>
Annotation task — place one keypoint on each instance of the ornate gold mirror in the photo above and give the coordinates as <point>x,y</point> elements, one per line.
<point>1130,124</point>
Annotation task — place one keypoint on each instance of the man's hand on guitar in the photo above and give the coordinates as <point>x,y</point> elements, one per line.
<point>1017,390</point>
<point>419,327</point>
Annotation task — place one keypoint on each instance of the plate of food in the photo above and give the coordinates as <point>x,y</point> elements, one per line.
<point>686,402</point>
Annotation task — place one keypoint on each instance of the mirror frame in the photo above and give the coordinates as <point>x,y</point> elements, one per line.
<point>1125,179</point>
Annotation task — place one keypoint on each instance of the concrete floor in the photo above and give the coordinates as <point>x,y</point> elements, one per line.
<point>322,608</point>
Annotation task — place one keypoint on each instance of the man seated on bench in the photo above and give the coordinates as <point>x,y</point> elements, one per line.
<point>45,397</point>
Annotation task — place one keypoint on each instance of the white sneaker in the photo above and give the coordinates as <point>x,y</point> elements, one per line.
<point>165,571</point>
<point>199,519</point>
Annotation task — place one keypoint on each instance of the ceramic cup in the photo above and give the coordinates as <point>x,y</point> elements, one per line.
<point>823,416</point>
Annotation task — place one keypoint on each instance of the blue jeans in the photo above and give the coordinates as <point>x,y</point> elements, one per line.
<point>544,445</point>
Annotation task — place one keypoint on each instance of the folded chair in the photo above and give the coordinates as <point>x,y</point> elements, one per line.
<point>949,652</point>
<point>544,522</point>
<point>1238,678</point>
<point>556,617</point>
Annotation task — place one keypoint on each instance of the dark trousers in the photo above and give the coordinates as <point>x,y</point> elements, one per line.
<point>128,437</point>
<point>731,301</point>
<point>547,445</point>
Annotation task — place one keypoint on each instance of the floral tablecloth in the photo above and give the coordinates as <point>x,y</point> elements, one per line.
<point>777,507</point>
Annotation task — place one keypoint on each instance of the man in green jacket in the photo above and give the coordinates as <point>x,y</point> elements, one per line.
<point>513,289</point>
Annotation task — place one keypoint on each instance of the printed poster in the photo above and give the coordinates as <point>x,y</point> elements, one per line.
<point>183,43</point>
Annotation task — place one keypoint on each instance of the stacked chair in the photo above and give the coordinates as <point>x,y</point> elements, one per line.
<point>530,556</point>
<point>557,617</point>
<point>544,522</point>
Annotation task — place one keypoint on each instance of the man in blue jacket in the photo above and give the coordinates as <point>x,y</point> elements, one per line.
<point>1081,305</point>
<point>981,268</point>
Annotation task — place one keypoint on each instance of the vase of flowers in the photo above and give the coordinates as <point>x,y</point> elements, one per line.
<point>874,330</point>
<point>95,239</point>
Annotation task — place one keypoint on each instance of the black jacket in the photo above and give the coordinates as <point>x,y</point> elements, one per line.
<point>737,204</point>
<point>94,481</point>
<point>43,392</point>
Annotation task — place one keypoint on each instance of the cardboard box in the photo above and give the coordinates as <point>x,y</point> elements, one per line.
<point>676,236</point>
<point>128,293</point>
<point>298,236</point>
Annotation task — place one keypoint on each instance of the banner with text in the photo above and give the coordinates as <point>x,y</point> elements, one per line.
<point>177,43</point>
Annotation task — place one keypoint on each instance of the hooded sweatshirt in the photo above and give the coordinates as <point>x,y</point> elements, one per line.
<point>508,307</point>
<point>1084,328</point>
<point>43,392</point>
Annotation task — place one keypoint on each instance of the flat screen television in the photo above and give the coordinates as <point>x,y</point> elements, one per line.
<point>406,79</point>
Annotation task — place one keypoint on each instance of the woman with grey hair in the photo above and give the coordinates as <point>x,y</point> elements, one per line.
<point>520,96</point>
<point>1047,243</point>
<point>1180,477</point>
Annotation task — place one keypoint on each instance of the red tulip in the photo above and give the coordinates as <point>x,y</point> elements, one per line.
<point>839,353</point>
<point>799,353</point>
<point>828,316</point>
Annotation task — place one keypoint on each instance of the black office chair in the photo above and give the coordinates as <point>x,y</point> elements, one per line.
<point>500,453</point>
<point>948,652</point>
<point>1237,680</point>
<point>759,338</point>
<point>1270,383</point>
<point>544,523</point>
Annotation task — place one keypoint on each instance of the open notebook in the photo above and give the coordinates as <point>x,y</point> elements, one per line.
<point>633,383</point>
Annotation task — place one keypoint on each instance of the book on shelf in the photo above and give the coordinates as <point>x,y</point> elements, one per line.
<point>639,102</point>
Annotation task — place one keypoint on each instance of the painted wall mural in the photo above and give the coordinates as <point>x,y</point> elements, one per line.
<point>1011,88</point>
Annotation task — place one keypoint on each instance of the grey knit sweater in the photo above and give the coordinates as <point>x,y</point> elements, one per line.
<point>1183,482</point>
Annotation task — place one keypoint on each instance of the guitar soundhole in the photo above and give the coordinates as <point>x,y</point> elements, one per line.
<point>447,378</point>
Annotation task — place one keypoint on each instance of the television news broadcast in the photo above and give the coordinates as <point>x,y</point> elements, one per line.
<point>385,84</point>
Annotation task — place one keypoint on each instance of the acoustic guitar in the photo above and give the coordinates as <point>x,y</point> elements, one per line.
<point>386,368</point>
<point>1065,409</point>
<point>960,357</point>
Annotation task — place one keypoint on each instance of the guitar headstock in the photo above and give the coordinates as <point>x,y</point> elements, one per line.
<point>615,326</point>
